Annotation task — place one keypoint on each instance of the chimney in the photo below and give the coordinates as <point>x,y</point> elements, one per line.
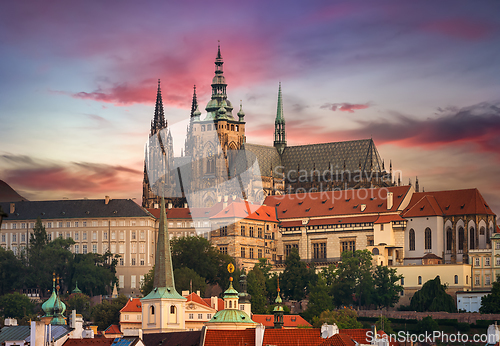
<point>12,208</point>
<point>106,199</point>
<point>198,293</point>
<point>259,335</point>
<point>390,200</point>
<point>170,205</point>
<point>214,303</point>
<point>185,205</point>
<point>329,330</point>
<point>37,335</point>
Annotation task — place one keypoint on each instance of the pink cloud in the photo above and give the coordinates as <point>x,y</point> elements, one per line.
<point>462,28</point>
<point>344,107</point>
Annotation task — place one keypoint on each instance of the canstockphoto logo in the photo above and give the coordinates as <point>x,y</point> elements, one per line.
<point>207,173</point>
<point>435,336</point>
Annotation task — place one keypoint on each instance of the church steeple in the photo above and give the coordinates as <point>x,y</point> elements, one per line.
<point>158,121</point>
<point>279,125</point>
<point>219,106</point>
<point>278,310</point>
<point>194,104</point>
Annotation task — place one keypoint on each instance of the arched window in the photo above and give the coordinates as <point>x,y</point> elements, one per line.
<point>412,239</point>
<point>467,279</point>
<point>230,304</point>
<point>449,239</point>
<point>210,169</point>
<point>375,251</point>
<point>152,310</point>
<point>472,237</point>
<point>419,280</point>
<point>402,281</point>
<point>172,309</point>
<point>461,239</point>
<point>428,238</point>
<point>456,279</point>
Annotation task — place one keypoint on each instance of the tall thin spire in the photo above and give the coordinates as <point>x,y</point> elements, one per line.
<point>194,104</point>
<point>158,122</point>
<point>164,273</point>
<point>279,125</point>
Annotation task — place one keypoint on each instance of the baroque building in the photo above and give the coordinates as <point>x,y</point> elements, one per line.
<point>217,162</point>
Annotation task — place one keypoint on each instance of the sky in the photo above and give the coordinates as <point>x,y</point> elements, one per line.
<point>78,84</point>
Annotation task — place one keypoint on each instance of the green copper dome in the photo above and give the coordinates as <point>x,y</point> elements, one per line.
<point>230,292</point>
<point>76,290</point>
<point>231,316</point>
<point>48,306</point>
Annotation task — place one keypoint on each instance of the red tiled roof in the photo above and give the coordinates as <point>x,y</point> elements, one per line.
<point>287,337</point>
<point>339,340</point>
<point>336,203</point>
<point>288,320</point>
<point>193,297</point>
<point>247,211</point>
<point>113,329</point>
<point>361,336</point>
<point>89,342</point>
<point>133,305</point>
<point>453,202</point>
<point>217,337</point>
<point>331,221</point>
<point>174,213</point>
<point>389,218</point>
<point>220,303</point>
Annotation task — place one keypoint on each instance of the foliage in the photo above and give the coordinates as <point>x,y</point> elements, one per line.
<point>297,278</point>
<point>319,299</point>
<point>386,293</point>
<point>108,313</point>
<point>427,324</point>
<point>257,289</point>
<point>11,271</point>
<point>79,302</point>
<point>432,297</point>
<point>383,323</point>
<point>16,305</point>
<point>94,273</point>
<point>185,276</point>
<point>343,318</point>
<point>147,282</point>
<point>490,303</point>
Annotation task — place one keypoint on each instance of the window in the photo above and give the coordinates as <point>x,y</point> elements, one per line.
<point>498,261</point>
<point>251,253</point>
<point>487,261</point>
<point>472,237</point>
<point>419,280</point>
<point>68,224</point>
<point>84,236</point>
<point>132,281</point>
<point>243,231</point>
<point>105,236</point>
<point>49,236</point>
<point>94,235</point>
<point>402,281</point>
<point>152,310</point>
<point>133,261</point>
<point>84,223</point>
<point>142,262</point>
<point>126,317</point>
<point>133,248</point>
<point>461,239</point>
<point>113,248</point>
<point>172,309</point>
<point>209,316</point>
<point>476,261</point>
<point>412,239</point>
<point>381,226</point>
<point>68,235</point>
<point>319,250</point>
<point>94,223</point>
<point>260,233</point>
<point>259,252</point>
<point>122,235</point>
<point>476,280</point>
<point>142,248</point>
<point>497,246</point>
<point>449,239</point>
<point>94,248</point>
<point>250,231</point>
<point>121,248</point>
<point>104,248</point>
<point>14,249</point>
<point>3,238</point>
<point>456,279</point>
<point>84,249</point>
<point>14,238</point>
<point>349,245</point>
<point>133,235</point>
<point>121,261</point>
<point>223,231</point>
<point>223,249</point>
<point>243,252</point>
<point>191,316</point>
<point>200,316</point>
<point>428,238</point>
<point>289,247</point>
<point>487,280</point>
<point>77,248</point>
<point>23,224</point>
<point>113,235</point>
<point>121,281</point>
<point>49,224</point>
<point>76,224</point>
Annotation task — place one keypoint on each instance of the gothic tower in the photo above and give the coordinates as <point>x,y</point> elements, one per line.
<point>163,309</point>
<point>279,125</point>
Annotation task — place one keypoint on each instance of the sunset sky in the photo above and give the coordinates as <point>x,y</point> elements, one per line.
<point>78,84</point>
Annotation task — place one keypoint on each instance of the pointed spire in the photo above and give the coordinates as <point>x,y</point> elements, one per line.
<point>241,114</point>
<point>158,121</point>
<point>278,310</point>
<point>416,185</point>
<point>279,125</point>
<point>279,112</point>
<point>194,103</point>
<point>164,273</point>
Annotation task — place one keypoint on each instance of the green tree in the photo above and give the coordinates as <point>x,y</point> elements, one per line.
<point>427,324</point>
<point>79,302</point>
<point>108,313</point>
<point>343,318</point>
<point>147,282</point>
<point>297,279</point>
<point>432,297</point>
<point>2,215</point>
<point>319,299</point>
<point>11,271</point>
<point>383,323</point>
<point>184,277</point>
<point>490,303</point>
<point>387,289</point>
<point>95,273</point>
<point>16,305</point>
<point>257,290</point>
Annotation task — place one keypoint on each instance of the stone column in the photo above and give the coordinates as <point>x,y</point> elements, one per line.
<point>465,253</point>
<point>453,240</point>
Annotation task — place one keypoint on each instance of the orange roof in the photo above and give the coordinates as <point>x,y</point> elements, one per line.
<point>288,320</point>
<point>299,336</point>
<point>247,211</point>
<point>89,342</point>
<point>452,202</point>
<point>217,337</point>
<point>359,335</point>
<point>133,305</point>
<point>113,329</point>
<point>193,297</point>
<point>389,218</point>
<point>339,340</point>
<point>220,303</point>
<point>188,213</point>
<point>336,203</point>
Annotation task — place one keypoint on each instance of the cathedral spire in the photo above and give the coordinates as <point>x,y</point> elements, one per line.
<point>194,104</point>
<point>158,122</point>
<point>279,125</point>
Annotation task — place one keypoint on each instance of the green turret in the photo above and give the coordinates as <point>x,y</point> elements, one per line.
<point>279,125</point>
<point>278,310</point>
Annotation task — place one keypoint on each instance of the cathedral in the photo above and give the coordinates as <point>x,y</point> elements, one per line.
<point>217,163</point>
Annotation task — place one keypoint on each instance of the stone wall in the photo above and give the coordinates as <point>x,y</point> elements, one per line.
<point>408,315</point>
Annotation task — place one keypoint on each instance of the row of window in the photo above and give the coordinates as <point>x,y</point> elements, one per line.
<point>126,317</point>
<point>227,127</point>
<point>133,281</point>
<point>449,238</point>
<point>134,235</point>
<point>200,316</point>
<point>251,253</point>
<point>487,261</point>
<point>70,224</point>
